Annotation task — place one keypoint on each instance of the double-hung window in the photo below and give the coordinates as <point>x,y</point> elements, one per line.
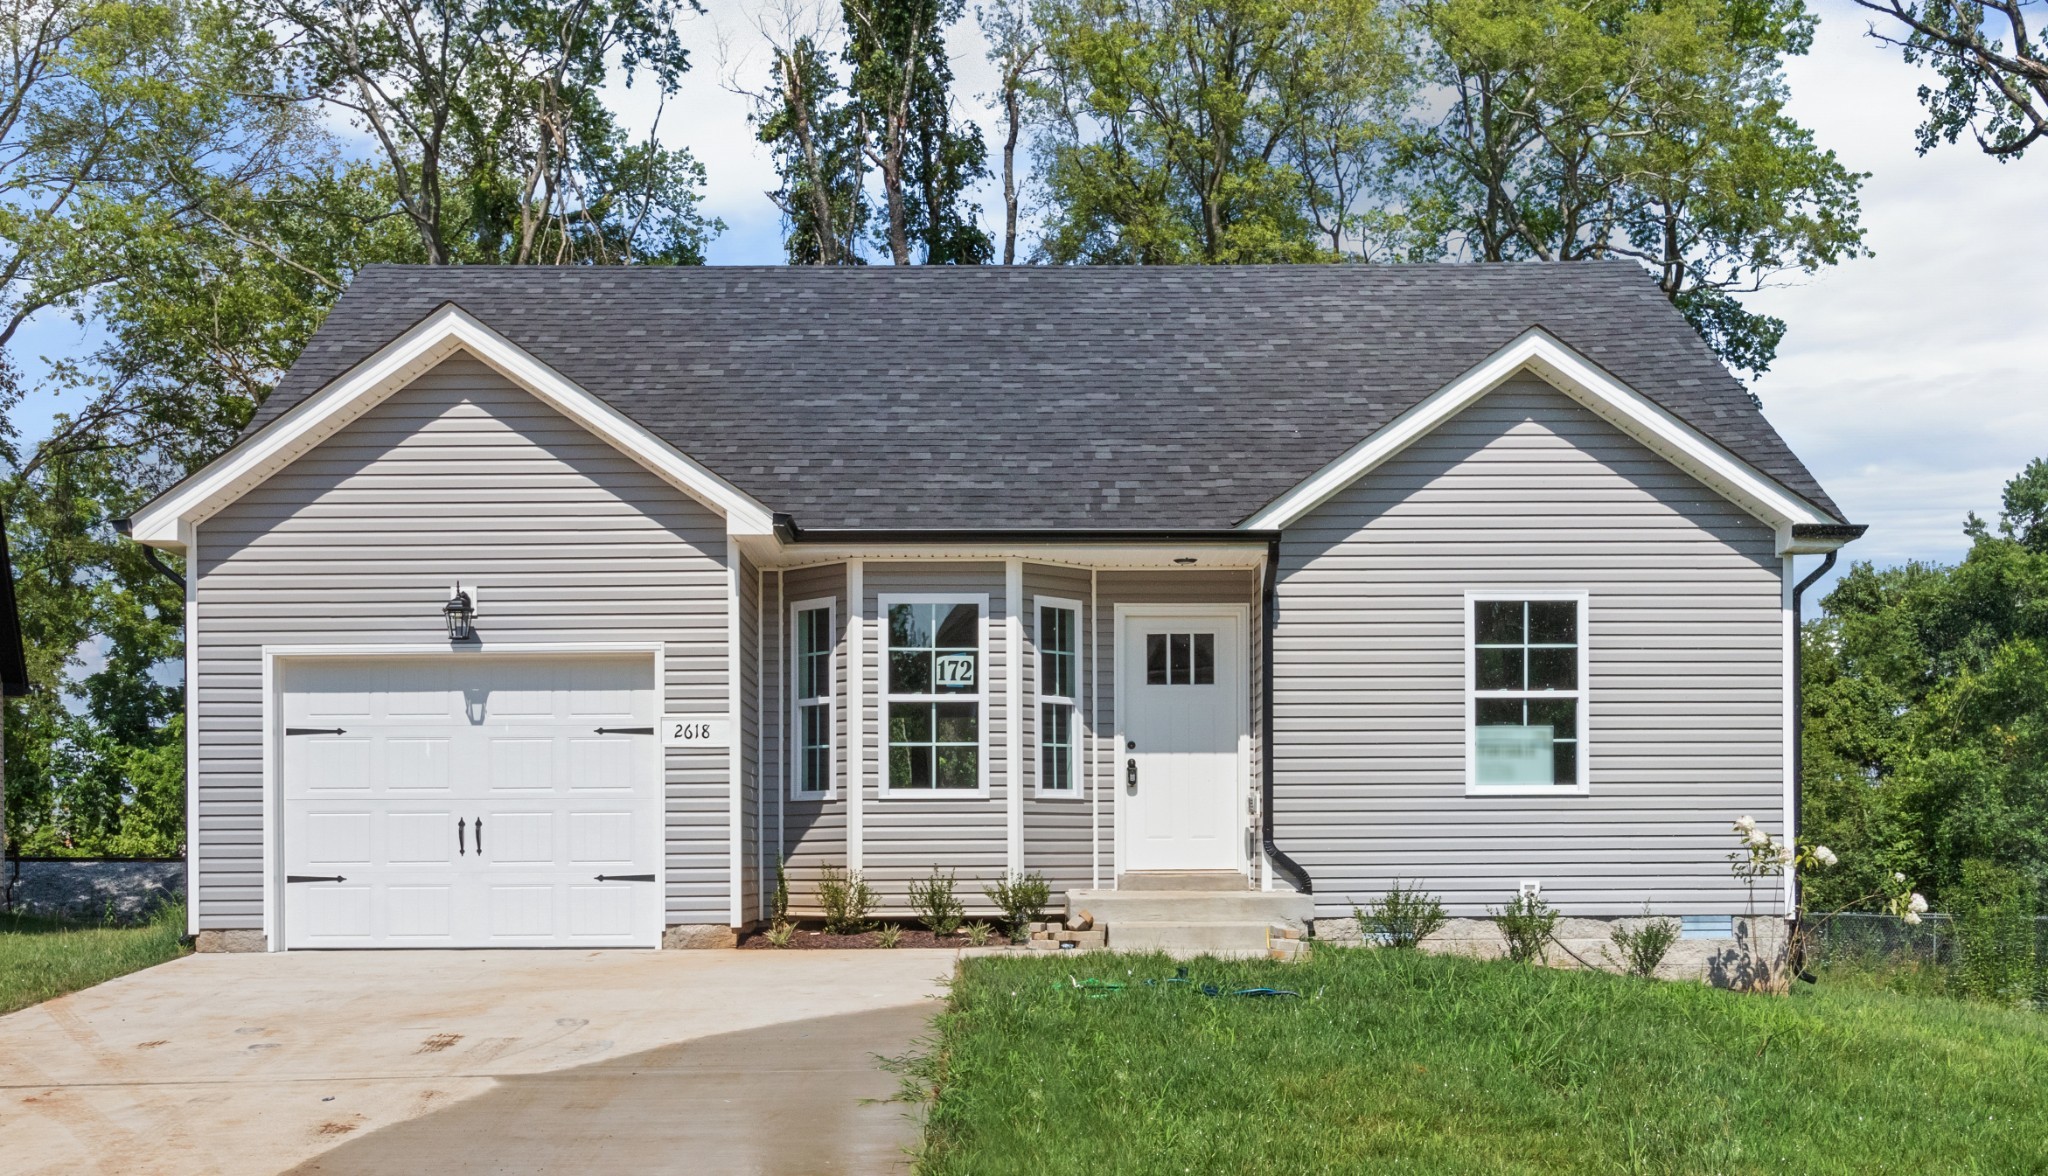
<point>812,673</point>
<point>933,662</point>
<point>1526,709</point>
<point>1059,692</point>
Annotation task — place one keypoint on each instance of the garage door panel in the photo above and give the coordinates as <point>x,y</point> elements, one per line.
<point>503,749</point>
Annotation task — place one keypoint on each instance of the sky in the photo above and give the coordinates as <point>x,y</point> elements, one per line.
<point>1911,382</point>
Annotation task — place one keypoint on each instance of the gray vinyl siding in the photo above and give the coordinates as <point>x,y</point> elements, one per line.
<point>812,830</point>
<point>459,476</point>
<point>1685,690</point>
<point>904,836</point>
<point>1057,829</point>
<point>1179,586</point>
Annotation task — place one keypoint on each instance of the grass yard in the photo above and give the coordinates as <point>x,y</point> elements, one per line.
<point>42,958</point>
<point>1394,1061</point>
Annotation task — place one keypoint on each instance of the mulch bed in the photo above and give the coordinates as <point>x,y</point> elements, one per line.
<point>806,938</point>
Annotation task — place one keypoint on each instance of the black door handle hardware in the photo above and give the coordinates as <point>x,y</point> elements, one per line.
<point>625,730</point>
<point>314,878</point>
<point>314,731</point>
<point>479,837</point>
<point>625,877</point>
<point>461,838</point>
<point>1131,773</point>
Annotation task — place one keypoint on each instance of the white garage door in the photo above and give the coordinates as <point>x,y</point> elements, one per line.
<point>471,801</point>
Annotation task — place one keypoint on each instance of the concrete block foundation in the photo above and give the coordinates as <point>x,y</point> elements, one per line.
<point>220,941</point>
<point>1753,958</point>
<point>700,935</point>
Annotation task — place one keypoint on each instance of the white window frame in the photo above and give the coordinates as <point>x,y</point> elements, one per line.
<point>1039,698</point>
<point>888,698</point>
<point>1583,694</point>
<point>797,704</point>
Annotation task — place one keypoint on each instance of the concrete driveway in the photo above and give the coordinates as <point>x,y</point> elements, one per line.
<point>488,1061</point>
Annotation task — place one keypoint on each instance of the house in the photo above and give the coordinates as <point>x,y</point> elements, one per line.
<point>557,606</point>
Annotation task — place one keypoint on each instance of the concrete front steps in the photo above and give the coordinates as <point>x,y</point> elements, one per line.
<point>1190,914</point>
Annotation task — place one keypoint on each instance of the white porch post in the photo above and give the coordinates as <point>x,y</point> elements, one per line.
<point>856,718</point>
<point>1013,707</point>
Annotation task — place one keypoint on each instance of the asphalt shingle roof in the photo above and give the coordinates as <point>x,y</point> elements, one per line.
<point>987,397</point>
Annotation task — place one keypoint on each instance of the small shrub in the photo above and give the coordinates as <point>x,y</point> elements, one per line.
<point>978,934</point>
<point>846,901</point>
<point>890,935</point>
<point>1641,950</point>
<point>1403,917</point>
<point>935,903</point>
<point>778,900</point>
<point>1527,924</point>
<point>1022,900</point>
<point>780,933</point>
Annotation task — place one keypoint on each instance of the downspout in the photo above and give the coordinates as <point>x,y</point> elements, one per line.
<point>1799,711</point>
<point>155,561</point>
<point>1274,853</point>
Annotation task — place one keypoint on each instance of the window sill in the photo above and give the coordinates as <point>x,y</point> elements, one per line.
<point>1058,794</point>
<point>981,793</point>
<point>1527,790</point>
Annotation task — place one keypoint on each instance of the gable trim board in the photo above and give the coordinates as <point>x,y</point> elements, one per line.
<point>1537,351</point>
<point>442,334</point>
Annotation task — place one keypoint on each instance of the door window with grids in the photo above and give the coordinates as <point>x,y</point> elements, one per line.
<point>1527,703</point>
<point>1180,659</point>
<point>934,694</point>
<point>813,674</point>
<point>1059,689</point>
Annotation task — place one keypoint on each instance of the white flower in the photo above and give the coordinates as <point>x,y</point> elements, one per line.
<point>1824,855</point>
<point>1912,919</point>
<point>1745,824</point>
<point>1916,904</point>
<point>1759,837</point>
<point>1898,877</point>
<point>1784,855</point>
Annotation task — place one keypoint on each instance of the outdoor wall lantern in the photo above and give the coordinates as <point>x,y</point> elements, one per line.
<point>460,613</point>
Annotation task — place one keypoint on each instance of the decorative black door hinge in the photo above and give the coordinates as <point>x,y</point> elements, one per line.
<point>314,878</point>
<point>625,730</point>
<point>314,731</point>
<point>625,877</point>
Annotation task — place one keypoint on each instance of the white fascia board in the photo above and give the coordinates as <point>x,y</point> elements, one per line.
<point>440,335</point>
<point>1535,350</point>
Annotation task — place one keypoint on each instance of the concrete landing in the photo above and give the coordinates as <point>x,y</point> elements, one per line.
<point>1196,922</point>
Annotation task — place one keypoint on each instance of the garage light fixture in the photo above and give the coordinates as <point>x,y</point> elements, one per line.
<point>460,613</point>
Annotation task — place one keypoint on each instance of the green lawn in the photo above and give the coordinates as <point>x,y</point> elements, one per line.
<point>41,958</point>
<point>1400,1062</point>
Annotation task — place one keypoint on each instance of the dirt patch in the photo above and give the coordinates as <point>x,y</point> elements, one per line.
<point>806,938</point>
<point>438,1042</point>
<point>332,1128</point>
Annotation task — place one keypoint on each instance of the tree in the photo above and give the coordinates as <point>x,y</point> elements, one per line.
<point>1203,130</point>
<point>490,117</point>
<point>925,159</point>
<point>1926,711</point>
<point>1626,128</point>
<point>1993,68</point>
<point>817,142</point>
<point>1013,46</point>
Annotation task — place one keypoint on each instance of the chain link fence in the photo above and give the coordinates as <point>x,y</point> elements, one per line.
<point>2005,962</point>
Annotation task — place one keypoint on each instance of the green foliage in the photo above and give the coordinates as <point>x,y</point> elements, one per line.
<point>1022,899</point>
<point>936,904</point>
<point>978,933</point>
<point>1641,948</point>
<point>778,899</point>
<point>1403,917</point>
<point>45,958</point>
<point>1220,131</point>
<point>1926,713</point>
<point>846,900</point>
<point>781,933</point>
<point>818,151</point>
<point>1650,130</point>
<point>1993,70</point>
<point>889,935</point>
<point>1441,1064</point>
<point>1527,923</point>
<point>1997,942</point>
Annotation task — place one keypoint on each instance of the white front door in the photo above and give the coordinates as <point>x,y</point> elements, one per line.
<point>1185,720</point>
<point>470,801</point>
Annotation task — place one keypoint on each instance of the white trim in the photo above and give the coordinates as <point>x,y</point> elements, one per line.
<point>192,892</point>
<point>1013,717</point>
<point>1039,698</point>
<point>1094,734</point>
<point>735,784</point>
<point>272,721</point>
<point>1789,624</point>
<point>884,697</point>
<point>437,337</point>
<point>759,813</point>
<point>1212,555</point>
<point>1571,373</point>
<point>781,720</point>
<point>1583,695</point>
<point>831,699</point>
<point>856,712</point>
<point>1121,668</point>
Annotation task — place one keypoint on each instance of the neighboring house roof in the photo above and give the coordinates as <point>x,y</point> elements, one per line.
<point>13,656</point>
<point>1043,397</point>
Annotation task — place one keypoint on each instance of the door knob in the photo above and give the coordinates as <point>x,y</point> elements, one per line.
<point>1131,773</point>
